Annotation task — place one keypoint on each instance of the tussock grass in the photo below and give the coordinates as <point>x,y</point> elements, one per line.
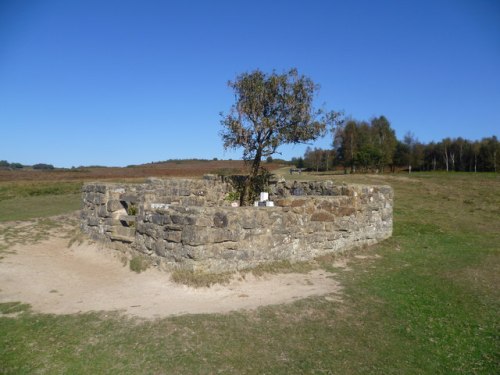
<point>281,267</point>
<point>199,279</point>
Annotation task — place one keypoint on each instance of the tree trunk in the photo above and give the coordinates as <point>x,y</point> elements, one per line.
<point>446,158</point>
<point>247,194</point>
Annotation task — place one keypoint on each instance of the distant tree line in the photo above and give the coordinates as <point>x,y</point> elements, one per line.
<point>360,146</point>
<point>4,164</point>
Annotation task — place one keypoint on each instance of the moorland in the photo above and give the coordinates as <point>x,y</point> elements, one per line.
<point>425,301</point>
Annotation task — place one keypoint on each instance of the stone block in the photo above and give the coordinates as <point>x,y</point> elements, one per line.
<point>114,205</point>
<point>195,236</point>
<point>93,221</point>
<point>178,219</point>
<point>160,219</point>
<point>220,220</point>
<point>325,205</point>
<point>102,211</point>
<point>298,202</point>
<point>225,235</point>
<point>172,236</point>
<point>159,248</point>
<point>345,211</point>
<point>100,188</point>
<point>284,202</point>
<point>124,231</point>
<point>99,199</point>
<point>129,198</point>
<point>322,216</point>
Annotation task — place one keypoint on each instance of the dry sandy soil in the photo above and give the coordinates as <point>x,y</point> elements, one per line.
<point>55,278</point>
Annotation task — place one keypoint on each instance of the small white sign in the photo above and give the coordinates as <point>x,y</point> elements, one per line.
<point>159,206</point>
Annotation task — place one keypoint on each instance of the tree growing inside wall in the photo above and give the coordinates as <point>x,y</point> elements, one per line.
<point>271,110</point>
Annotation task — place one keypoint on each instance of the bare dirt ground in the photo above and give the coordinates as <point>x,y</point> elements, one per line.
<point>39,268</point>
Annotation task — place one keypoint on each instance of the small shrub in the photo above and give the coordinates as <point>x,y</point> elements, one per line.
<point>139,263</point>
<point>132,209</point>
<point>233,196</point>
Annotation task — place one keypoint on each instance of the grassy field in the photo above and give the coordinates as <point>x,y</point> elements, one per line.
<point>426,301</point>
<point>22,200</point>
<point>29,193</point>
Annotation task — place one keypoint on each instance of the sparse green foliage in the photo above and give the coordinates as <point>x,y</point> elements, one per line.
<point>365,146</point>
<point>139,264</point>
<point>374,146</point>
<point>233,196</point>
<point>271,110</point>
<point>132,209</point>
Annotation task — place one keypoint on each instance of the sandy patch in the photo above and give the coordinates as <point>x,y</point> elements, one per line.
<point>375,256</point>
<point>60,280</point>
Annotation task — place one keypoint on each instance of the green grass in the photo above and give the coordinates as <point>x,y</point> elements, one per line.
<point>26,208</point>
<point>427,305</point>
<point>29,200</point>
<point>9,190</point>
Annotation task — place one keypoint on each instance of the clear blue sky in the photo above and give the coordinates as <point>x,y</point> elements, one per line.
<point>124,82</point>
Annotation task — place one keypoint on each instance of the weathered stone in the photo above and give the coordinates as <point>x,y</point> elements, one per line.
<point>196,229</point>
<point>159,248</point>
<point>123,234</point>
<point>114,205</point>
<point>95,198</point>
<point>345,211</point>
<point>172,236</point>
<point>159,219</point>
<point>220,220</point>
<point>102,211</point>
<point>284,202</point>
<point>129,198</point>
<point>225,235</point>
<point>322,216</point>
<point>298,202</point>
<point>93,221</point>
<point>194,236</point>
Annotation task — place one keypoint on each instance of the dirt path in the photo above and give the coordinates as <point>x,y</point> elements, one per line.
<point>60,280</point>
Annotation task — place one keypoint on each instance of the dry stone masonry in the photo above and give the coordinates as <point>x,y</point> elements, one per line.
<point>191,224</point>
